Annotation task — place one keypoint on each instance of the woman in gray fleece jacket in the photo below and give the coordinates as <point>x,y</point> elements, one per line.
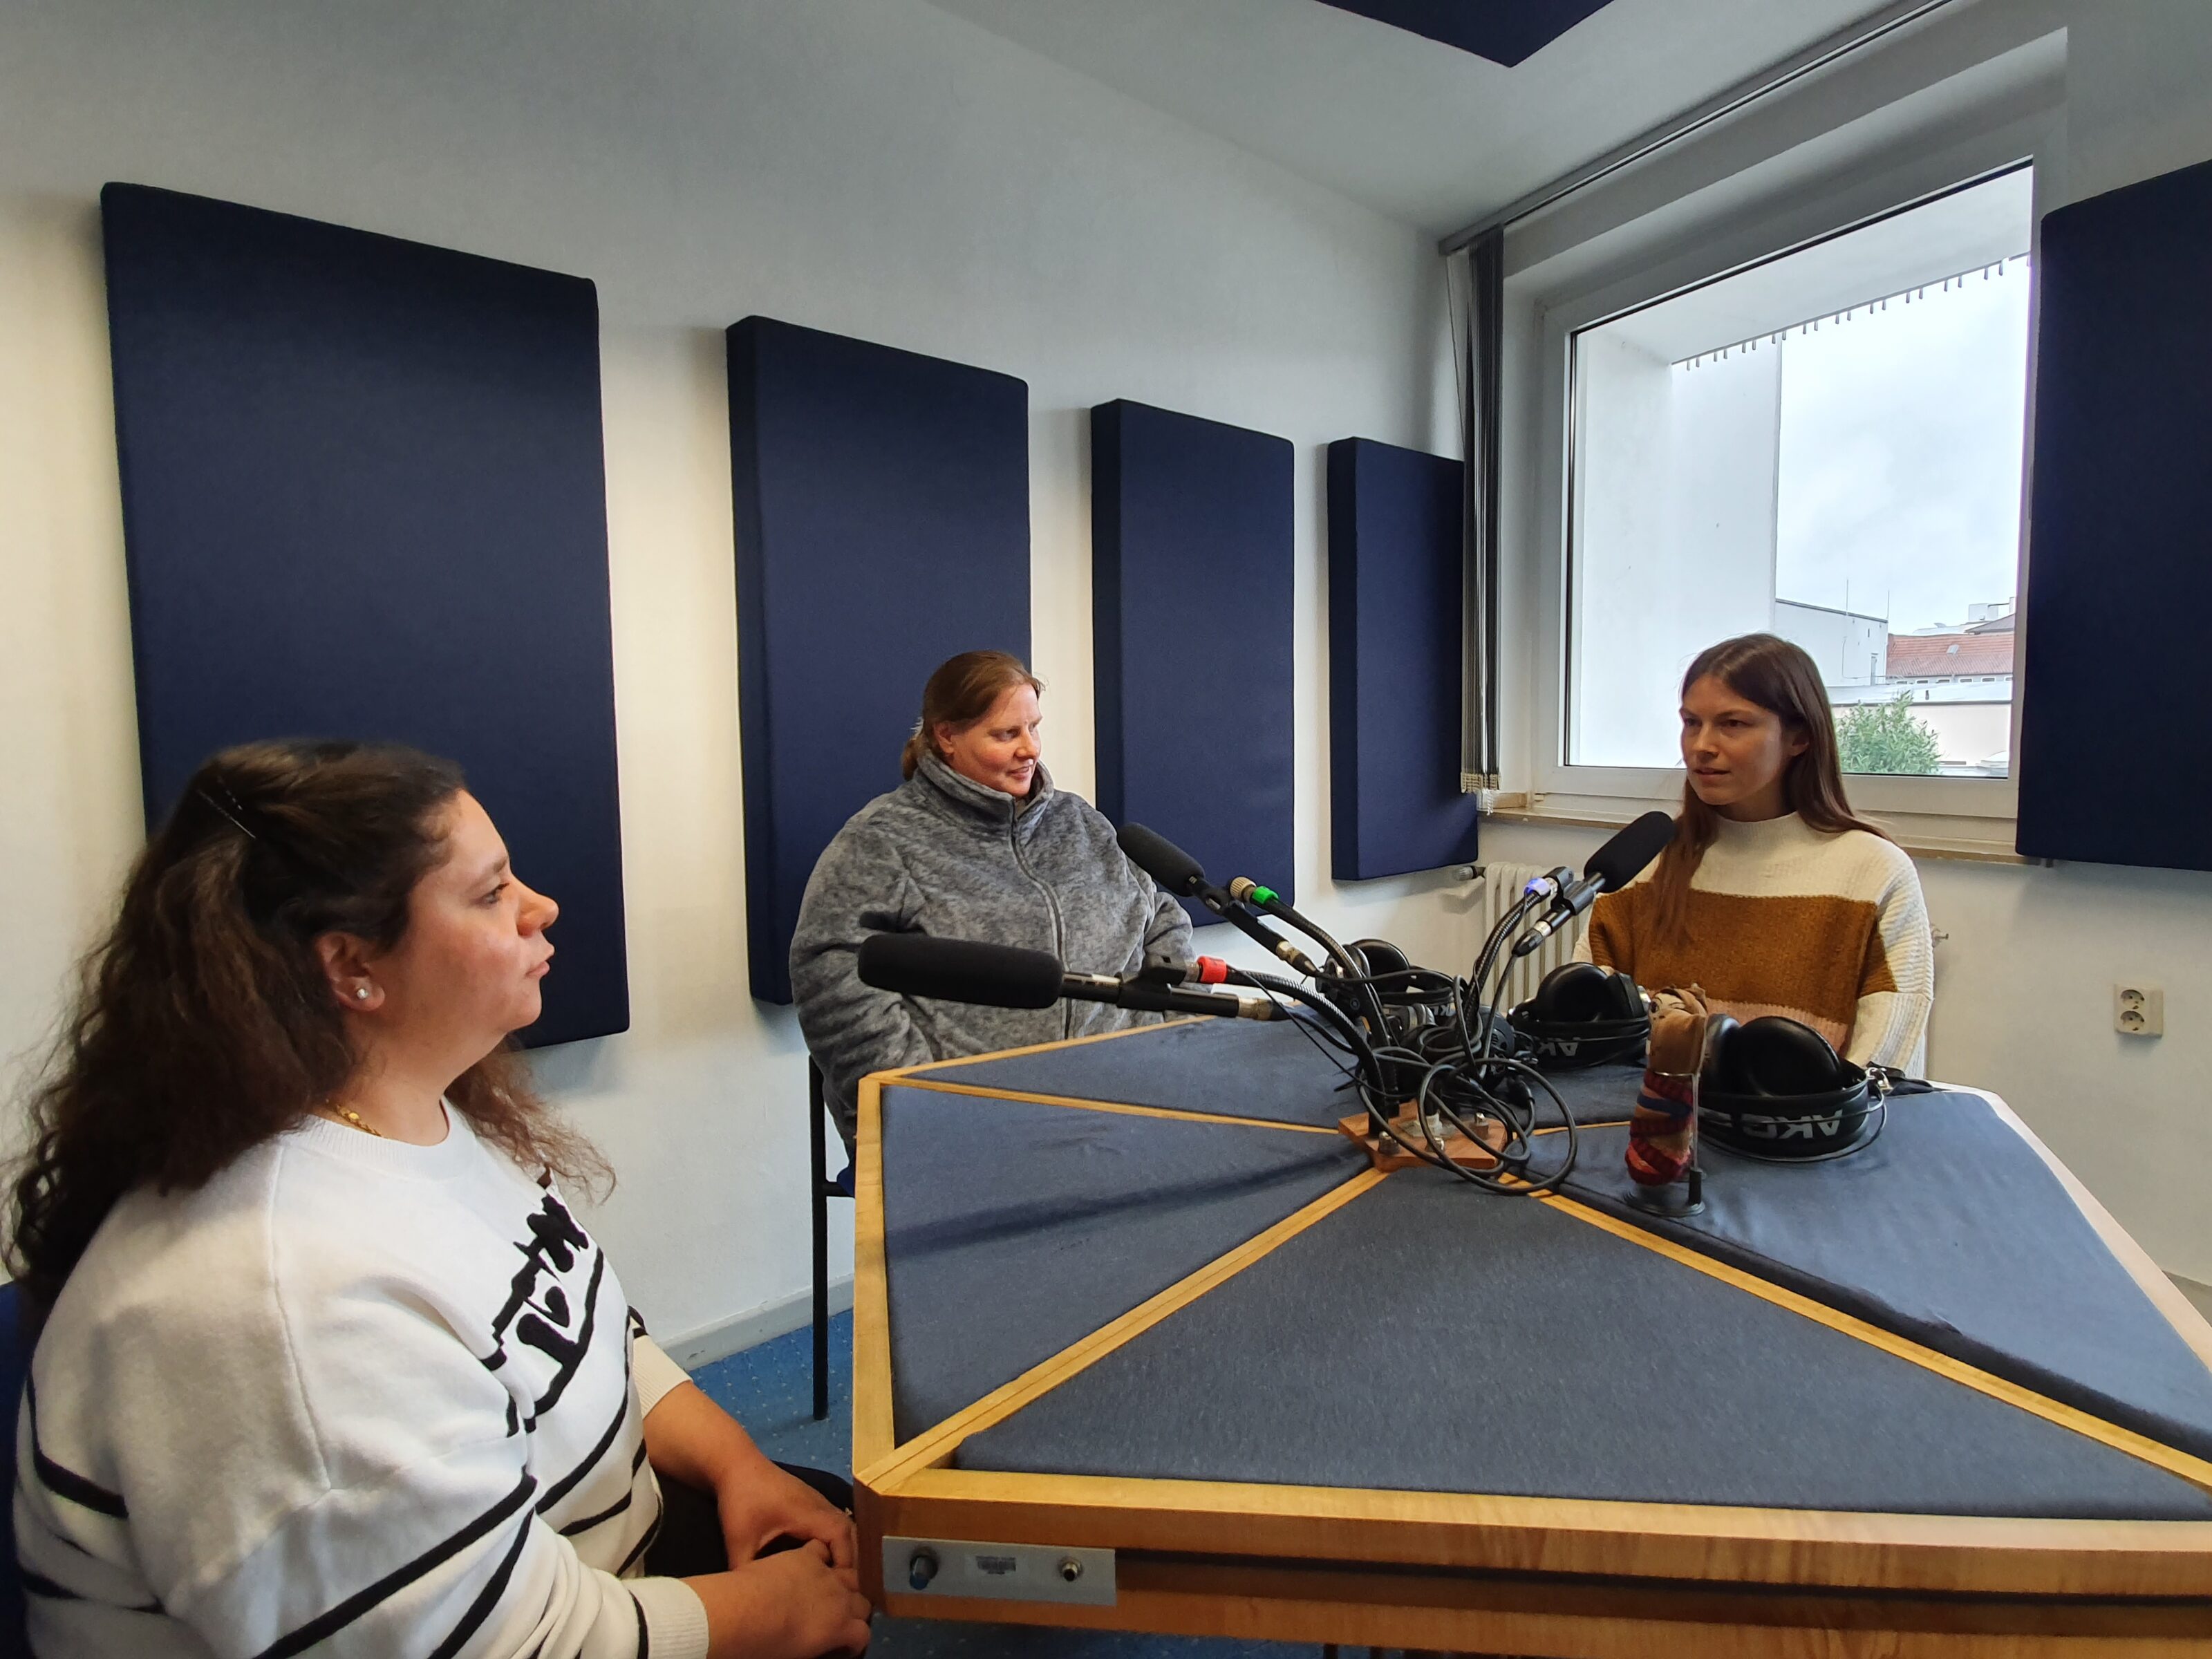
<point>976,844</point>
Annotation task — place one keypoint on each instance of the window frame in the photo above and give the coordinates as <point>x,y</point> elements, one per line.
<point>1975,814</point>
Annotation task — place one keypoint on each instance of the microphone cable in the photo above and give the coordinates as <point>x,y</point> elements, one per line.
<point>1368,1075</point>
<point>1448,1083</point>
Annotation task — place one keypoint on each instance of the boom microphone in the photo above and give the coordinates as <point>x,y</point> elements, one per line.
<point>1163,861</point>
<point>1630,851</point>
<point>1612,867</point>
<point>960,970</point>
<point>1182,875</point>
<point>1007,976</point>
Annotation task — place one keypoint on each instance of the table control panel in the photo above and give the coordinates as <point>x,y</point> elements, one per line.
<point>960,1567</point>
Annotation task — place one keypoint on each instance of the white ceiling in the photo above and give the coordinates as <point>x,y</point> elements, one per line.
<point>1423,132</point>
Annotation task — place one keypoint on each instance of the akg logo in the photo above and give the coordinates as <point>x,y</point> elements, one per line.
<point>1792,1128</point>
<point>1559,1048</point>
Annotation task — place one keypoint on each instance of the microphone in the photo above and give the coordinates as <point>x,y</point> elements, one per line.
<point>1180,874</point>
<point>960,970</point>
<point>1007,976</point>
<point>1612,867</point>
<point>1163,861</point>
<point>1267,898</point>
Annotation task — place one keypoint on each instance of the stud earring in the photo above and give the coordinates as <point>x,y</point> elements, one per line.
<point>361,993</point>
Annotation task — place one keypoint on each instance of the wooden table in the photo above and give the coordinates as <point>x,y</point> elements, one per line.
<point>1463,1570</point>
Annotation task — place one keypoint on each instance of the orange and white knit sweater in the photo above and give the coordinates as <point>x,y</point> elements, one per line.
<point>1828,929</point>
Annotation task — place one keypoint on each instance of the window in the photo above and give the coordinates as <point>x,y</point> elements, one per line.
<point>1826,446</point>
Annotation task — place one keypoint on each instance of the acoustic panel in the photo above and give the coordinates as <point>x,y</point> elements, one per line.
<point>363,497</point>
<point>1504,30</point>
<point>2116,525</point>
<point>882,513</point>
<point>1396,564</point>
<point>1191,575</point>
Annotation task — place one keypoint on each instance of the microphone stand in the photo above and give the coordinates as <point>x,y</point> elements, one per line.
<point>1246,920</point>
<point>1349,967</point>
<point>1379,1123</point>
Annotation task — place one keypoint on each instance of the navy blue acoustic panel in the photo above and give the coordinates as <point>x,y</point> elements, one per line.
<point>363,496</point>
<point>1504,30</point>
<point>1190,559</point>
<point>882,524</point>
<point>1396,565</point>
<point>2119,581</point>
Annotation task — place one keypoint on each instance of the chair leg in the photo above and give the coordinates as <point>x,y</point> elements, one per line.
<point>818,1190</point>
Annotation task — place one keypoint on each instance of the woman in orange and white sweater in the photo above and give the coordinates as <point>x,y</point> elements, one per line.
<point>1774,896</point>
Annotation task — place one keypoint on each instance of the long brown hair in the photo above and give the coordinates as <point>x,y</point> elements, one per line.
<point>961,692</point>
<point>204,1022</point>
<point>1769,671</point>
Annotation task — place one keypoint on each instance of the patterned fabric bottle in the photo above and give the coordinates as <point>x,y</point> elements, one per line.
<point>1662,1135</point>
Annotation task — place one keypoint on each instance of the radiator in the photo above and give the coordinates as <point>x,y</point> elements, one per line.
<point>1497,890</point>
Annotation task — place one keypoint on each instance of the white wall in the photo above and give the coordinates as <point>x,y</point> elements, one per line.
<point>872,166</point>
<point>1624,396</point>
<point>2024,980</point>
<point>1849,648</point>
<point>1669,460</point>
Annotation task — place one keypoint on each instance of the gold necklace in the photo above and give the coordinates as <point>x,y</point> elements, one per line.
<point>348,1115</point>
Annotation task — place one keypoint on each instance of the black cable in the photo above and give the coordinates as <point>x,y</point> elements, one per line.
<point>1351,969</point>
<point>1379,1100</point>
<point>1340,1023</point>
<point>1449,1077</point>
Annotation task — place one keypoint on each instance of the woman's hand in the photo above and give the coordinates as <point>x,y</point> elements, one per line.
<point>760,1504</point>
<point>794,1604</point>
<point>690,1438</point>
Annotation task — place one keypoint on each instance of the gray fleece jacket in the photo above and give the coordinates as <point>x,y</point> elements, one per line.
<point>945,855</point>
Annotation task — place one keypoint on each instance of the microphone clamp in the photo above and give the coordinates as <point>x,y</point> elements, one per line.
<point>1572,901</point>
<point>1150,992</point>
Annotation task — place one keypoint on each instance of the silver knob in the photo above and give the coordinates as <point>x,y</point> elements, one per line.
<point>1070,1569</point>
<point>920,1568</point>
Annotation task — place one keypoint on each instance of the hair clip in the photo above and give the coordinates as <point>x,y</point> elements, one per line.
<point>237,819</point>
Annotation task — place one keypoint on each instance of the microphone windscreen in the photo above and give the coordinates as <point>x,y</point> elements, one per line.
<point>1623,859</point>
<point>1161,859</point>
<point>960,970</point>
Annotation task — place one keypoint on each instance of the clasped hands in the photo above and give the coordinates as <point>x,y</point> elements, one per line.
<point>785,1603</point>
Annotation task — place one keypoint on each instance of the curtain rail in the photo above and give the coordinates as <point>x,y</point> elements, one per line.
<point>1814,58</point>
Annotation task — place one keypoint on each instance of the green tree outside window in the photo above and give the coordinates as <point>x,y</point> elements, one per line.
<point>1885,737</point>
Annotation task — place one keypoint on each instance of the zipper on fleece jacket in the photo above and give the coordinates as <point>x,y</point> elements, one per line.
<point>1051,905</point>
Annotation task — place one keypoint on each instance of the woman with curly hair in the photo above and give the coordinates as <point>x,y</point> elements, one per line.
<point>326,1362</point>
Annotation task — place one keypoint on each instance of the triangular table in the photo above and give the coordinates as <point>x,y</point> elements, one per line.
<point>1142,1343</point>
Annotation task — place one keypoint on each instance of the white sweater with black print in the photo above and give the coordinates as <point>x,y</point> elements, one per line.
<point>353,1397</point>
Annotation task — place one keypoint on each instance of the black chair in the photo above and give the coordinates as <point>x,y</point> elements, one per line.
<point>823,1190</point>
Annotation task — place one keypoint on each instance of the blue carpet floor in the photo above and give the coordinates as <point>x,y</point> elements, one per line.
<point>770,1390</point>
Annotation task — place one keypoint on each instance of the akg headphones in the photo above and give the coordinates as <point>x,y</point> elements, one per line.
<point>1774,1089</point>
<point>1584,1014</point>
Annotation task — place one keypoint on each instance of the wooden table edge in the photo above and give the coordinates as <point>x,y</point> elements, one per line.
<point>1468,1532</point>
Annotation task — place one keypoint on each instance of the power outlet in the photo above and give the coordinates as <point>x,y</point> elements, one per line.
<point>2138,1009</point>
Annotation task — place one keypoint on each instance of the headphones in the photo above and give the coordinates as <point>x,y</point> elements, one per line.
<point>1584,1014</point>
<point>1775,1089</point>
<point>1410,1006</point>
